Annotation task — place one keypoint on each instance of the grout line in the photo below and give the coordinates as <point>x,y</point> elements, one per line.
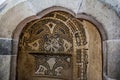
<point>6,38</point>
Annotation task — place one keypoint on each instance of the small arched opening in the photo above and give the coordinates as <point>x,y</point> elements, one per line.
<point>59,46</point>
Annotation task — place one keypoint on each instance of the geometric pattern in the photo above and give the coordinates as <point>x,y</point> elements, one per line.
<point>50,42</point>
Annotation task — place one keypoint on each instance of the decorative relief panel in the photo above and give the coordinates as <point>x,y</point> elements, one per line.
<point>49,45</point>
<point>54,66</point>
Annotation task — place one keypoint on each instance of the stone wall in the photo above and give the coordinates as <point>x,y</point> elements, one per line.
<point>16,11</point>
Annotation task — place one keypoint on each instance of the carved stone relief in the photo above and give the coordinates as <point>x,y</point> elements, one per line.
<point>54,66</point>
<point>53,47</point>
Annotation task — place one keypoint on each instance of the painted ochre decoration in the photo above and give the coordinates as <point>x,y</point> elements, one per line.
<point>49,44</point>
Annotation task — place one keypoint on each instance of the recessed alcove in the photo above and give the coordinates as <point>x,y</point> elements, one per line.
<point>59,46</point>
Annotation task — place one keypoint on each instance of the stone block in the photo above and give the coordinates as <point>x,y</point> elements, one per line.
<point>72,5</point>
<point>104,14</point>
<point>115,4</point>
<point>39,6</point>
<point>10,20</point>
<point>113,65</point>
<point>5,46</point>
<point>4,67</point>
<point>107,78</point>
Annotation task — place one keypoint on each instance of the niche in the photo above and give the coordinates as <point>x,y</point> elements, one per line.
<point>59,46</point>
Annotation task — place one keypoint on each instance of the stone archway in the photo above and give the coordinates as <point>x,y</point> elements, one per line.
<point>59,46</point>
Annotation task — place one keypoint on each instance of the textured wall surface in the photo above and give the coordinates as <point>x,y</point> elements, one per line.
<point>4,67</point>
<point>115,4</point>
<point>105,12</point>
